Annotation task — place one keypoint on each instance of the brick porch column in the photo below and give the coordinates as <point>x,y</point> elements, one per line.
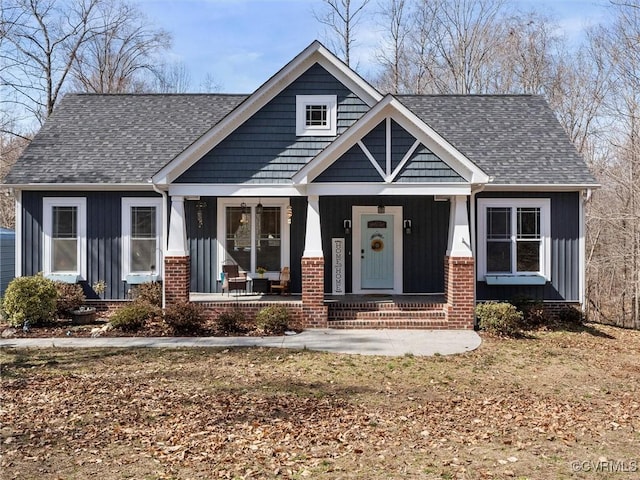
<point>315,313</point>
<point>459,268</point>
<point>459,291</point>
<point>177,268</point>
<point>177,279</point>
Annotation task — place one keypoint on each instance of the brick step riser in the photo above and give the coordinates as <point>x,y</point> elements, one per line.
<point>391,324</point>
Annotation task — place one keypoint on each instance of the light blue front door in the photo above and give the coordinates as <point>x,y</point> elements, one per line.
<point>376,251</point>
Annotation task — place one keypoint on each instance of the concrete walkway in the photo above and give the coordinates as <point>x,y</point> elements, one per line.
<point>362,342</point>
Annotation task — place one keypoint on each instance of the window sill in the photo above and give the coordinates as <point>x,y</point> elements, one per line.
<point>515,280</point>
<point>64,277</point>
<point>139,278</point>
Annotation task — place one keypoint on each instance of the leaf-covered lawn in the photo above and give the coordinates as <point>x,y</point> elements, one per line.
<point>523,408</point>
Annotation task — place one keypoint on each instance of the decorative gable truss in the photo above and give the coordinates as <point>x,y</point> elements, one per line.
<point>390,145</point>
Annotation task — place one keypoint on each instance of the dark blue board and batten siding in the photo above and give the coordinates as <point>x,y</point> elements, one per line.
<point>104,225</point>
<point>565,253</point>
<point>265,148</point>
<point>424,249</point>
<point>202,242</point>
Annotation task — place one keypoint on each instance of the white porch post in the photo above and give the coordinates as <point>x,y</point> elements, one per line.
<point>459,238</point>
<point>177,229</point>
<point>313,237</point>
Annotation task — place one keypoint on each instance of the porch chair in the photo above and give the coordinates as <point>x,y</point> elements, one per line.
<point>282,284</point>
<point>233,278</point>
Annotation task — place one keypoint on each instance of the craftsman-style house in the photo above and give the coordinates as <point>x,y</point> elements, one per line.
<point>398,210</point>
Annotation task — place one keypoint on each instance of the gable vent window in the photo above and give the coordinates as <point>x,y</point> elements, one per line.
<point>316,115</point>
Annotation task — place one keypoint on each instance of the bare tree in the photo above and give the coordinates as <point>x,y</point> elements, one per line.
<point>341,17</point>
<point>10,149</point>
<point>394,18</point>
<point>453,43</point>
<point>120,58</point>
<point>171,78</point>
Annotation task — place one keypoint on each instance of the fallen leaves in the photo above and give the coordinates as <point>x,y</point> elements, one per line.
<point>273,414</point>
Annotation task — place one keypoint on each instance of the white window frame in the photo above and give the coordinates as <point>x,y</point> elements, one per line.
<point>127,204</point>
<point>47,228</point>
<point>544,204</point>
<point>252,203</point>
<point>330,101</point>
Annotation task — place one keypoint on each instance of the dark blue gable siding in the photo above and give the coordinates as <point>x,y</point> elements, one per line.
<point>423,165</point>
<point>424,250</point>
<point>565,253</point>
<point>265,148</point>
<point>104,225</point>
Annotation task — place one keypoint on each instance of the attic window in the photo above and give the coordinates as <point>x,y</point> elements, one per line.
<point>316,115</point>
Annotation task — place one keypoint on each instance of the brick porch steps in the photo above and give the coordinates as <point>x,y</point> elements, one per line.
<point>387,314</point>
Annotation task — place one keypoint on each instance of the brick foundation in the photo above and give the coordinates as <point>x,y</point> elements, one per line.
<point>177,279</point>
<point>213,310</point>
<point>314,311</point>
<point>459,287</point>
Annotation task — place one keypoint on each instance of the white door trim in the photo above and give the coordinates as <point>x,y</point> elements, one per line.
<point>357,212</point>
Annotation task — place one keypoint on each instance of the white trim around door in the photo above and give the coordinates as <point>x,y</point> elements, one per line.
<point>357,212</point>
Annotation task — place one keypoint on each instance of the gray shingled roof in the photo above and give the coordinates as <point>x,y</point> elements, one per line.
<point>515,139</point>
<point>127,138</point>
<point>117,138</point>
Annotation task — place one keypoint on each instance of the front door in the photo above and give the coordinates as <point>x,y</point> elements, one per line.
<point>377,252</point>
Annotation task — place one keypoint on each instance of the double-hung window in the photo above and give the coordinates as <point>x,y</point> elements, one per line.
<point>65,237</point>
<point>255,235</point>
<point>316,115</point>
<point>141,236</point>
<point>514,238</point>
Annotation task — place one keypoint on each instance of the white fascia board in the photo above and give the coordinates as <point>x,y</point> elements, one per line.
<point>314,53</point>
<point>440,188</point>
<point>84,187</point>
<point>390,107</point>
<point>234,190</point>
<point>532,187</point>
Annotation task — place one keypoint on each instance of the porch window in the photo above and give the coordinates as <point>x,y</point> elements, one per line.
<point>64,226</point>
<point>255,237</point>
<point>316,115</point>
<point>141,236</point>
<point>514,237</point>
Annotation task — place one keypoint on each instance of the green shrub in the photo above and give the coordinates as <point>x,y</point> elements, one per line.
<point>30,299</point>
<point>273,320</point>
<point>185,317</point>
<point>133,316</point>
<point>70,297</point>
<point>231,322</point>
<point>150,293</point>
<point>501,319</point>
<point>569,315</point>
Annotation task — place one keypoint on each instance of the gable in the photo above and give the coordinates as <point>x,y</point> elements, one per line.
<point>265,148</point>
<point>388,153</point>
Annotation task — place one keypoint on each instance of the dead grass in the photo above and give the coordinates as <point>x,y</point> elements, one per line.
<point>522,408</point>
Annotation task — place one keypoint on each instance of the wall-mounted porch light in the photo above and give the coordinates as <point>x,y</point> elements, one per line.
<point>380,208</point>
<point>259,208</point>
<point>407,226</point>
<point>347,227</point>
